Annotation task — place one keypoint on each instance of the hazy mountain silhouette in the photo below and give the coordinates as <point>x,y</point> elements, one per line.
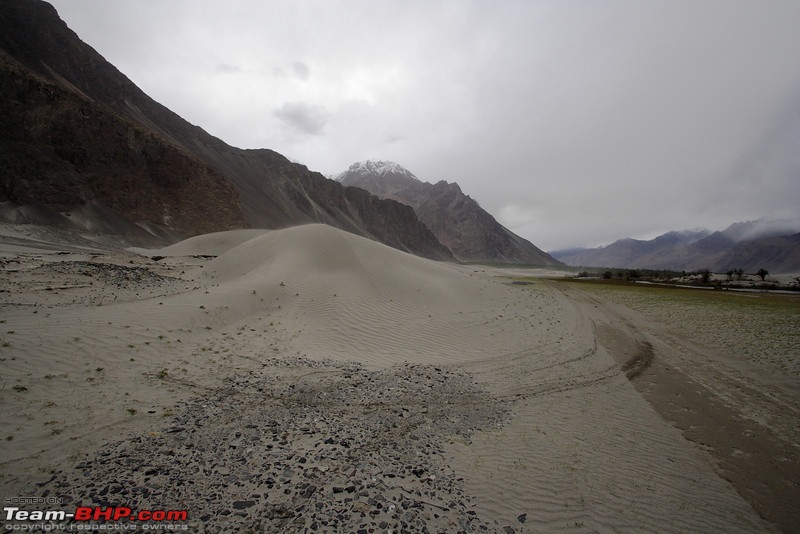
<point>76,132</point>
<point>471,233</point>
<point>751,245</point>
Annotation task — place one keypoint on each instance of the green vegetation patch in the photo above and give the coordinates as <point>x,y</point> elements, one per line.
<point>760,327</point>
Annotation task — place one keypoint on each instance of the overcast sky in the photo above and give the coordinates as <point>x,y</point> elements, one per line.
<point>573,122</point>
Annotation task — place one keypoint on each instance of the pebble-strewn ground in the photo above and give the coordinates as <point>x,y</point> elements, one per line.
<point>337,449</point>
<point>97,280</point>
<point>308,380</point>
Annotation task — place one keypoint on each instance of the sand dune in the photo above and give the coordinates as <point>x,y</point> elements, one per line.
<point>348,296</point>
<point>500,394</point>
<point>204,245</point>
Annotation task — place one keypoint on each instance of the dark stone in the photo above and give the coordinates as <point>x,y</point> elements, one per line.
<point>241,505</point>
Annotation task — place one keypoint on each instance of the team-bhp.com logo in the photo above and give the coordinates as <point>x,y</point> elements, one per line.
<point>79,519</point>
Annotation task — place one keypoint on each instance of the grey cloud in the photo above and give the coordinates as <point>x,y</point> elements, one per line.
<point>298,70</point>
<point>301,70</point>
<point>302,117</point>
<point>576,122</point>
<point>228,68</point>
<point>394,138</point>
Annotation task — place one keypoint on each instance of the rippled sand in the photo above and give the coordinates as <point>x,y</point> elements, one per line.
<point>514,398</point>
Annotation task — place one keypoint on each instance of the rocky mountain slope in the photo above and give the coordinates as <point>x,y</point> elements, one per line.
<point>770,244</point>
<point>75,132</point>
<point>456,219</point>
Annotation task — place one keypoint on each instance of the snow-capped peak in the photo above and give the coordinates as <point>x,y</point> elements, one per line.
<point>379,168</point>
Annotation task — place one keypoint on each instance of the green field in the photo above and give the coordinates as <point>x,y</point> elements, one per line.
<point>759,327</point>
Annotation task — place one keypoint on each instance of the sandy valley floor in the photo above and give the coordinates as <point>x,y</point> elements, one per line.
<point>311,380</point>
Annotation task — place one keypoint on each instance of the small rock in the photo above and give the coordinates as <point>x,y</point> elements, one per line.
<point>241,505</point>
<point>362,507</point>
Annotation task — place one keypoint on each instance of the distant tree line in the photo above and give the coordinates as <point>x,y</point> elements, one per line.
<point>665,274</point>
<point>738,273</point>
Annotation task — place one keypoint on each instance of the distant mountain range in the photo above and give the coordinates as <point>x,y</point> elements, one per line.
<point>456,220</point>
<point>84,149</point>
<point>765,243</point>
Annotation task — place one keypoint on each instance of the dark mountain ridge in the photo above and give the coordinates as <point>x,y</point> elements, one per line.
<point>75,130</point>
<point>749,245</point>
<point>456,219</point>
